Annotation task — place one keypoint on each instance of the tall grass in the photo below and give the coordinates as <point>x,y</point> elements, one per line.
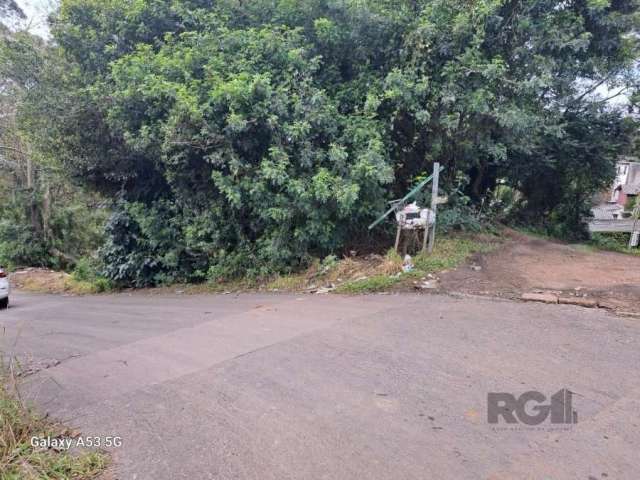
<point>19,423</point>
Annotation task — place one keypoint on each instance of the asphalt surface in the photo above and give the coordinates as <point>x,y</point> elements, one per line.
<point>328,387</point>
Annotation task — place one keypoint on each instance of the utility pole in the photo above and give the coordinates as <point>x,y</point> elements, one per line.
<point>635,231</point>
<point>434,204</point>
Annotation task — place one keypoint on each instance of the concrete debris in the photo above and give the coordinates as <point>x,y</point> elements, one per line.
<point>407,264</point>
<point>582,302</point>
<point>608,305</point>
<point>540,297</point>
<point>428,285</point>
<point>552,297</point>
<point>323,291</point>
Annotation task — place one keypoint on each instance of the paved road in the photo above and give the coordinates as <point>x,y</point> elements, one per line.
<point>327,387</point>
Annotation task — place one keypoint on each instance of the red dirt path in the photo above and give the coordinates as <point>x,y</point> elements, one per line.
<point>526,264</point>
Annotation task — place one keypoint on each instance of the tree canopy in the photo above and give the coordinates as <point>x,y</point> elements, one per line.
<point>239,137</point>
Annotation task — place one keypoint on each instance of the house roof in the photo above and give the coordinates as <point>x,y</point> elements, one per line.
<point>631,189</point>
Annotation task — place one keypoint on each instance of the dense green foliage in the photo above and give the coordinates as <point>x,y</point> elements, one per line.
<point>45,220</point>
<point>245,137</point>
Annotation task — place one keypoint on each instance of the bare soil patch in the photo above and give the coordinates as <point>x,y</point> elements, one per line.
<point>40,280</point>
<point>524,264</point>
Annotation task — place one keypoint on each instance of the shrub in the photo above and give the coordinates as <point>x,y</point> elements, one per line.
<point>616,242</point>
<point>462,218</point>
<point>85,270</point>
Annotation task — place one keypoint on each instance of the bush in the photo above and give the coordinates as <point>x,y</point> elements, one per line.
<point>102,285</point>
<point>85,270</point>
<point>449,253</point>
<point>328,263</point>
<point>20,246</point>
<point>86,276</point>
<point>462,218</point>
<point>231,265</point>
<point>145,246</point>
<point>616,242</point>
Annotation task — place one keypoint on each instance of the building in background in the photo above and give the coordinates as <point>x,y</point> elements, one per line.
<point>619,200</point>
<point>626,186</point>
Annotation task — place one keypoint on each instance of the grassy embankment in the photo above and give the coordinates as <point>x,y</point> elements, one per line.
<point>450,253</point>
<point>613,242</point>
<point>376,273</point>
<point>19,460</point>
<point>348,275</point>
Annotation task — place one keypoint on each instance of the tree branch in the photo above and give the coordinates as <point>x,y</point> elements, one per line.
<point>13,149</point>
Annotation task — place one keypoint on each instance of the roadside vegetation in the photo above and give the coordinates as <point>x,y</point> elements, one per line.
<point>614,242</point>
<point>212,143</point>
<point>19,460</point>
<point>42,280</point>
<point>451,253</point>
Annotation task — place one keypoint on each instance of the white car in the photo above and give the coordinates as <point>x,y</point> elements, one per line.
<point>4,289</point>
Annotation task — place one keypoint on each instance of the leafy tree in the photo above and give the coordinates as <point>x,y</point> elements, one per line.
<point>44,220</point>
<point>242,137</point>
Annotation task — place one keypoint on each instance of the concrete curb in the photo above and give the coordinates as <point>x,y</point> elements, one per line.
<point>555,299</point>
<point>582,302</point>
<point>539,297</point>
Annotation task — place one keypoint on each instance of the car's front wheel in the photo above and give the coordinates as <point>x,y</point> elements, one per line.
<point>4,303</point>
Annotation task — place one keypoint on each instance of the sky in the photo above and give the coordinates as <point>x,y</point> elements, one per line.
<point>36,12</point>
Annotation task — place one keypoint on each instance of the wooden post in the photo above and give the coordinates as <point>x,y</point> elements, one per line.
<point>398,237</point>
<point>434,204</point>
<point>424,239</point>
<point>635,231</point>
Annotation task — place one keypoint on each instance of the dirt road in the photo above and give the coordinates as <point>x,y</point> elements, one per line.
<point>527,264</point>
<point>311,387</point>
